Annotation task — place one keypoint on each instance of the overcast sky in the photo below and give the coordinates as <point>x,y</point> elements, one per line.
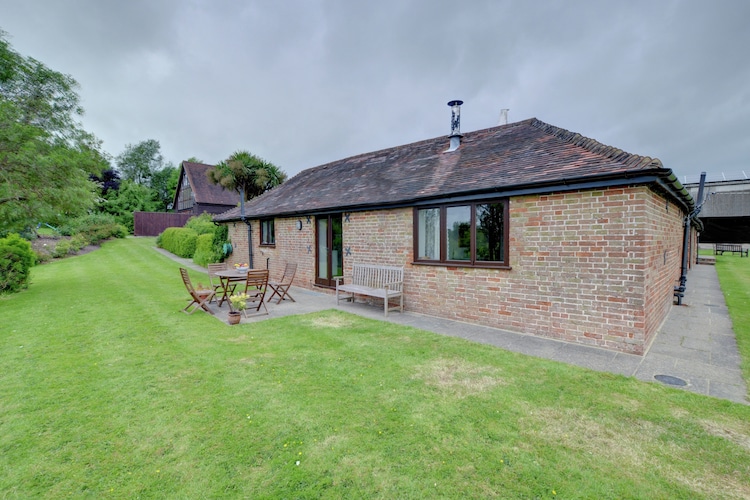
<point>304,82</point>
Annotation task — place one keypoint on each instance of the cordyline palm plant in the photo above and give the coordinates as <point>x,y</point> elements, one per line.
<point>244,171</point>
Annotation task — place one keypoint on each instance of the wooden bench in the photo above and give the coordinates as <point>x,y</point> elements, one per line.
<point>384,282</point>
<point>720,248</point>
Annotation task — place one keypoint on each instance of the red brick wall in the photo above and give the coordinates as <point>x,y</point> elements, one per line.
<point>291,246</point>
<point>664,237</point>
<point>595,267</point>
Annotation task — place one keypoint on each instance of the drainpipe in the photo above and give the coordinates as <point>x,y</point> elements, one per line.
<point>679,291</point>
<point>249,228</point>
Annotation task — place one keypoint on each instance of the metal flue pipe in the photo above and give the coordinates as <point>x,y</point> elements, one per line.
<point>249,228</point>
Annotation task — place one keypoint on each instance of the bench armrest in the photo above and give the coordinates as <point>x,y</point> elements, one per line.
<point>393,283</point>
<point>339,278</point>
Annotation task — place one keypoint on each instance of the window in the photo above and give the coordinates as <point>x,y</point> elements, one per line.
<point>473,234</point>
<point>267,236</point>
<point>185,201</point>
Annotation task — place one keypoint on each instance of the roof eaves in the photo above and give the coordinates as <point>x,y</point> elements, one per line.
<point>654,176</point>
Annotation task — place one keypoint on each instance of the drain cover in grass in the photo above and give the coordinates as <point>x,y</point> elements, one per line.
<point>670,380</point>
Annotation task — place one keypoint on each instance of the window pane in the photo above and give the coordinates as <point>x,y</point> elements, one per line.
<point>323,248</point>
<point>458,232</point>
<point>428,245</point>
<point>337,246</point>
<point>490,232</point>
<point>267,236</point>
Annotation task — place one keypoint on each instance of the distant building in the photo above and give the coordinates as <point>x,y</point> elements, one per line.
<point>195,194</point>
<point>726,209</point>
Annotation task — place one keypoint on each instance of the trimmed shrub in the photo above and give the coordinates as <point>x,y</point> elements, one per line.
<point>204,251</point>
<point>62,249</point>
<point>221,239</point>
<point>95,227</point>
<point>77,242</point>
<point>180,241</point>
<point>16,260</point>
<point>202,224</point>
<point>42,257</point>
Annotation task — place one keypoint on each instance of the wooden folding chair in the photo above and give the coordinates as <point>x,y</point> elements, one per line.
<point>255,289</point>
<point>198,300</point>
<point>215,281</point>
<point>281,287</point>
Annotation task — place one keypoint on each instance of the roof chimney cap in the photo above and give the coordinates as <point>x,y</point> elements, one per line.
<point>455,124</point>
<point>503,116</point>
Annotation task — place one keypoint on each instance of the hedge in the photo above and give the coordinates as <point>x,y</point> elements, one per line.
<point>181,241</point>
<point>204,250</point>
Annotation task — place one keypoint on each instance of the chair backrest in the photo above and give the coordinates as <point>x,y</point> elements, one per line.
<point>186,280</point>
<point>289,271</point>
<point>213,269</point>
<point>257,279</point>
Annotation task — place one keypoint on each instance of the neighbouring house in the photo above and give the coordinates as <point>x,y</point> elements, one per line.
<point>524,227</point>
<point>195,194</point>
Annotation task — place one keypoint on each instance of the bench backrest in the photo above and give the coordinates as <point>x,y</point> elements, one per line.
<point>728,247</point>
<point>377,276</point>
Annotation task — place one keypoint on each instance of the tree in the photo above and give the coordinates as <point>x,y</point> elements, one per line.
<point>131,197</point>
<point>139,162</point>
<point>45,98</point>
<point>164,183</point>
<point>46,157</point>
<point>109,180</point>
<point>244,171</point>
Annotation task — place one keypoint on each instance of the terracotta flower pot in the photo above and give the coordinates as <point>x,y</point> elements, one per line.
<point>234,318</point>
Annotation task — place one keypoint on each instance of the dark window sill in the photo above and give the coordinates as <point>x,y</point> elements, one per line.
<point>461,264</point>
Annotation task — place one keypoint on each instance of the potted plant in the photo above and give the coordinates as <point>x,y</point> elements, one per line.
<point>237,304</point>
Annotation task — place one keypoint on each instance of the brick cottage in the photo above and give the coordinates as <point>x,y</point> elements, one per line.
<point>524,227</point>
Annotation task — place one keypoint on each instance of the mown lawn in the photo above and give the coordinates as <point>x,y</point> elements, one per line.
<point>109,391</point>
<point>734,276</point>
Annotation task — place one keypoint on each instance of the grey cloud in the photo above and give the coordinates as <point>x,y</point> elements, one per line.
<point>305,82</point>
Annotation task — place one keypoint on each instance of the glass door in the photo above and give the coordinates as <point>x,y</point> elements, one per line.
<point>329,260</point>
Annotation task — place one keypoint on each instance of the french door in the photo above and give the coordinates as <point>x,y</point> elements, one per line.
<point>329,260</point>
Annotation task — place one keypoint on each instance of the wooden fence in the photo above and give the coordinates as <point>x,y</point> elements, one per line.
<point>153,223</point>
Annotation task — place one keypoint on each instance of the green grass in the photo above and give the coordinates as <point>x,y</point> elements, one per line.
<point>47,231</point>
<point>734,277</point>
<point>109,391</point>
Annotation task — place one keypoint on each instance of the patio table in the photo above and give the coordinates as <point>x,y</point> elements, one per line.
<point>226,278</point>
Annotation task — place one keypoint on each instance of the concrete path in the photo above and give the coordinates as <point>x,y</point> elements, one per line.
<point>695,348</point>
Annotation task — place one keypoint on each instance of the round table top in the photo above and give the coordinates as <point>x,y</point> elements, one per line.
<point>231,273</point>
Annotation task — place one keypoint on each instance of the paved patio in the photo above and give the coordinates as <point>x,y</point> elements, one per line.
<point>695,348</point>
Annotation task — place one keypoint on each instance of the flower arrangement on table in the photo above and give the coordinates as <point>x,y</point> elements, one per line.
<point>243,268</point>
<point>238,302</point>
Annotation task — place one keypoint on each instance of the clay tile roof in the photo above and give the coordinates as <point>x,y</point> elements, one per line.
<point>494,160</point>
<point>204,191</point>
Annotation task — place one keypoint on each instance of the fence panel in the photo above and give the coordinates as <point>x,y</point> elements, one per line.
<point>153,223</point>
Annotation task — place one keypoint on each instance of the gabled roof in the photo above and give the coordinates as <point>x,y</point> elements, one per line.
<point>204,191</point>
<point>522,157</point>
